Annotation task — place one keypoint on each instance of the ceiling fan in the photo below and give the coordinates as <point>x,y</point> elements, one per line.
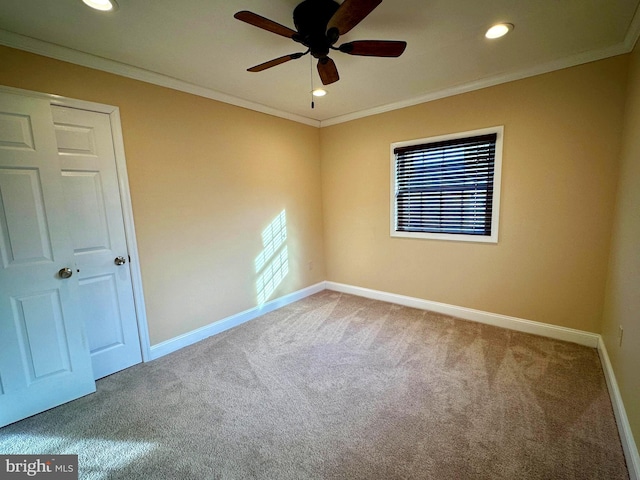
<point>319,24</point>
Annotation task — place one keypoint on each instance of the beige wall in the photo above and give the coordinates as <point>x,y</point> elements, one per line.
<point>622,306</point>
<point>205,178</point>
<point>560,168</point>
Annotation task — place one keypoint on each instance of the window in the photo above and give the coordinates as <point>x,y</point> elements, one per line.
<point>447,187</point>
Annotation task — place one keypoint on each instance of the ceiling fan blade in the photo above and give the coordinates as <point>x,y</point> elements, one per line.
<point>351,13</point>
<point>328,71</point>
<point>275,61</point>
<point>374,48</point>
<point>264,23</point>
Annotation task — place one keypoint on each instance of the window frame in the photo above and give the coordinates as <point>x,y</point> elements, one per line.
<point>497,181</point>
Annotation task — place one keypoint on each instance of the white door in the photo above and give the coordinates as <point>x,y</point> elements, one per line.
<point>96,225</point>
<point>44,356</point>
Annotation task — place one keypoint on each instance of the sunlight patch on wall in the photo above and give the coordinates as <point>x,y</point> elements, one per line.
<point>272,265</point>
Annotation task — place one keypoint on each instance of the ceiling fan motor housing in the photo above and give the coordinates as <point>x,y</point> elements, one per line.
<point>319,24</point>
<point>311,18</point>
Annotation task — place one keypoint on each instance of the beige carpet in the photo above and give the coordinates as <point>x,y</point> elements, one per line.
<point>341,387</point>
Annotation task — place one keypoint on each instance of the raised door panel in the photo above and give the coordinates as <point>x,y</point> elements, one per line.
<point>41,335</point>
<point>24,236</point>
<point>86,205</point>
<point>105,327</point>
<point>16,131</point>
<point>76,139</point>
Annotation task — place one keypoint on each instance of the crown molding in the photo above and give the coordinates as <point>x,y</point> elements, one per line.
<point>633,32</point>
<point>567,62</point>
<point>65,54</point>
<point>39,47</point>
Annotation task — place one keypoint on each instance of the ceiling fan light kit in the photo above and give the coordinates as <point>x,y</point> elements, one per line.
<point>319,24</point>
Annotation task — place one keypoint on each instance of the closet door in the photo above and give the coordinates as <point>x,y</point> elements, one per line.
<point>44,354</point>
<point>96,225</point>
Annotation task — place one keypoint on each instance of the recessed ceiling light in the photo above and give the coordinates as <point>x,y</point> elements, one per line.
<point>102,5</point>
<point>499,30</point>
<point>319,92</point>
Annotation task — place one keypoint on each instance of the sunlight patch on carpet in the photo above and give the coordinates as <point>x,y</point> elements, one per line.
<point>97,458</point>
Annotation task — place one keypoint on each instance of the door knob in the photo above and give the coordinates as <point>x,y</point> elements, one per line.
<point>120,261</point>
<point>65,272</point>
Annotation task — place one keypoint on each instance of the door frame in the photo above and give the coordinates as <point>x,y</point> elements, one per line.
<point>125,198</point>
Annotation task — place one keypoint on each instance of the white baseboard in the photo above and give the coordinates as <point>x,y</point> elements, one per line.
<point>624,428</point>
<point>504,321</point>
<point>184,340</point>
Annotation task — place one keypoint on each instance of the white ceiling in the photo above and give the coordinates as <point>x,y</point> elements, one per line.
<point>197,46</point>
